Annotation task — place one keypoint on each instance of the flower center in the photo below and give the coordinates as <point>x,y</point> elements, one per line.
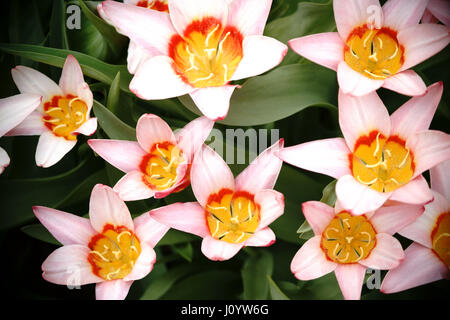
<point>232,217</point>
<point>374,53</point>
<point>160,166</point>
<point>348,239</point>
<point>114,252</point>
<point>382,164</point>
<point>208,54</point>
<point>440,238</point>
<point>158,5</point>
<point>63,115</point>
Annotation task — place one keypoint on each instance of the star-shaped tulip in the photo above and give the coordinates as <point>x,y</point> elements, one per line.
<point>380,157</point>
<point>13,110</point>
<point>437,10</point>
<point>159,162</point>
<point>63,113</point>
<point>348,244</point>
<point>376,47</point>
<point>428,258</point>
<point>198,48</point>
<point>109,249</point>
<point>229,214</point>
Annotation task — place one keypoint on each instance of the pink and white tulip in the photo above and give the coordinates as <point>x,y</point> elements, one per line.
<point>63,113</point>
<point>109,249</point>
<point>437,10</point>
<point>198,48</point>
<point>376,46</point>
<point>14,110</point>
<point>428,258</point>
<point>381,157</point>
<point>229,213</point>
<point>348,244</point>
<point>159,162</point>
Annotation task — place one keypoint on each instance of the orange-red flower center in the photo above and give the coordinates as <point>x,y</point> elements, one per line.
<point>440,238</point>
<point>158,5</point>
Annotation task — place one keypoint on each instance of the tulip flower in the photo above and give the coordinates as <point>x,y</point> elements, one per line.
<point>198,48</point>
<point>437,10</point>
<point>14,110</point>
<point>428,258</point>
<point>63,114</point>
<point>348,244</point>
<point>229,214</point>
<point>376,47</point>
<point>159,162</point>
<point>109,249</point>
<point>380,157</point>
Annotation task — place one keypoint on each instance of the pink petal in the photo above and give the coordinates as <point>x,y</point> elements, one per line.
<point>4,160</point>
<point>218,250</point>
<point>67,228</point>
<point>187,217</point>
<point>112,290</point>
<point>31,126</point>
<point>318,215</point>
<point>31,81</point>
<point>14,110</point>
<point>358,198</point>
<point>71,76</point>
<point>359,116</point>
<point>151,129</point>
<point>407,82</point>
<point>144,263</point>
<point>387,253</point>
<point>328,156</point>
<point>124,155</point>
<point>350,278</point>
<point>414,192</point>
<point>69,266</point>
<point>401,14</point>
<point>131,187</point>
<point>421,266</point>
<point>88,128</point>
<point>420,230</point>
<point>51,149</point>
<point>326,49</point>
<point>249,16</point>
<point>391,219</point>
<point>262,172</point>
<point>260,55</point>
<point>428,17</point>
<point>184,12</point>
<point>441,10</point>
<point>350,14</point>
<point>422,42</point>
<point>271,204</point>
<point>84,93</point>
<point>429,148</point>
<point>262,238</point>
<point>105,207</point>
<point>136,56</point>
<point>209,174</point>
<point>220,96</point>
<point>156,79</point>
<point>354,83</point>
<point>136,23</point>
<point>149,230</point>
<point>310,261</point>
<point>440,178</point>
<point>193,135</point>
<point>416,114</point>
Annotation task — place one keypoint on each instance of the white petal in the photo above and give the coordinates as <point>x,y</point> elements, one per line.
<point>51,149</point>
<point>213,102</point>
<point>31,81</point>
<point>13,110</point>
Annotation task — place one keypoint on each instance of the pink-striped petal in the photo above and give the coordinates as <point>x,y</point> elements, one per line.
<point>124,155</point>
<point>262,172</point>
<point>355,83</point>
<point>67,228</point>
<point>209,174</point>
<point>14,110</point>
<point>318,215</point>
<point>441,10</point>
<point>112,290</point>
<point>391,219</point>
<point>131,187</point>
<point>359,116</point>
<point>440,178</point>
<point>69,266</point>
<point>271,204</point>
<point>136,56</point>
<point>106,208</point>
<point>326,49</point>
<point>249,16</point>
<point>407,82</point>
<point>310,261</point>
<point>220,98</point>
<point>51,149</point>
<point>149,230</point>
<point>151,129</point>
<point>71,76</point>
<point>262,238</point>
<point>260,54</point>
<point>193,135</point>
<point>187,217</point>
<point>84,93</point>
<point>218,250</point>
<point>32,125</point>
<point>415,191</point>
<point>401,14</point>
<point>4,160</point>
<point>328,156</point>
<point>387,253</point>
<point>350,278</point>
<point>144,263</point>
<point>421,266</point>
<point>88,128</point>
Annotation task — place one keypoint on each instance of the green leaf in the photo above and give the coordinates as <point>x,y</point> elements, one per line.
<point>113,126</point>
<point>254,275</point>
<point>329,194</point>
<point>184,250</point>
<point>173,237</point>
<point>114,94</point>
<point>305,231</point>
<point>275,291</point>
<point>38,231</point>
<point>58,34</point>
